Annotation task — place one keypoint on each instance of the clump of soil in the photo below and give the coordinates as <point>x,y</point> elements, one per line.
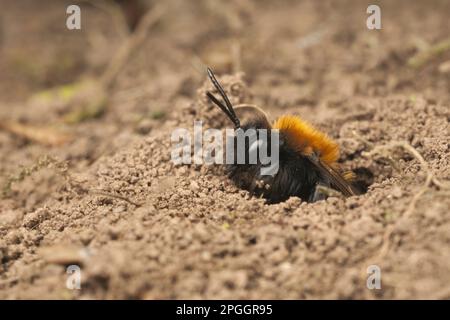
<point>112,201</point>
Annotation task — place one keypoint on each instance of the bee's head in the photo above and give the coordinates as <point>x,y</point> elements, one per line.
<point>243,116</point>
<point>252,117</point>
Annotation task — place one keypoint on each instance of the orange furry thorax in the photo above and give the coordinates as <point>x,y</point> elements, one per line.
<point>304,138</point>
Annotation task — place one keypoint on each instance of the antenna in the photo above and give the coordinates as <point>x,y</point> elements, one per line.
<point>228,109</point>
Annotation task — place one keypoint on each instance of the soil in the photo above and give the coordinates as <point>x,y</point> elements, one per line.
<point>111,201</point>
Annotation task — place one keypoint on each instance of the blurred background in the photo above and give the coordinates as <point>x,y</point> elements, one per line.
<point>133,61</point>
<point>134,71</point>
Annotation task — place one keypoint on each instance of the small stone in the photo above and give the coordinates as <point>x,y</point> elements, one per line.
<point>145,126</point>
<point>396,192</point>
<point>194,186</point>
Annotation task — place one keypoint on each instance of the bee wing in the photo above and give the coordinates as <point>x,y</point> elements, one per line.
<point>335,177</point>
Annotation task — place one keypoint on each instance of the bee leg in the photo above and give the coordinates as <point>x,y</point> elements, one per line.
<point>318,194</point>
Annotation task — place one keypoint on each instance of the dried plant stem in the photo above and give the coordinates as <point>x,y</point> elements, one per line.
<point>236,52</point>
<point>47,136</point>
<point>115,12</point>
<point>429,181</point>
<point>113,195</point>
<point>132,43</point>
<point>423,57</point>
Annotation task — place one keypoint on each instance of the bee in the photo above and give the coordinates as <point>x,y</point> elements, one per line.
<point>307,157</point>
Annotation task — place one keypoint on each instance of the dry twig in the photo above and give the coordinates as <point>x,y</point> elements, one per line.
<point>114,195</point>
<point>131,45</point>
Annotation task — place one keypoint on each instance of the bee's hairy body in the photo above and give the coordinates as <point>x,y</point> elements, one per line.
<point>307,156</point>
<point>296,175</point>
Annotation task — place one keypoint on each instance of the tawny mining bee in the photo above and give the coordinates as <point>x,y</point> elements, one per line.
<point>307,157</point>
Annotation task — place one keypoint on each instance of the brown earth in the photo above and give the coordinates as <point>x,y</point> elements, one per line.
<point>110,200</point>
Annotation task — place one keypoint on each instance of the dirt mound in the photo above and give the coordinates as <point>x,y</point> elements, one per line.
<point>112,201</point>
